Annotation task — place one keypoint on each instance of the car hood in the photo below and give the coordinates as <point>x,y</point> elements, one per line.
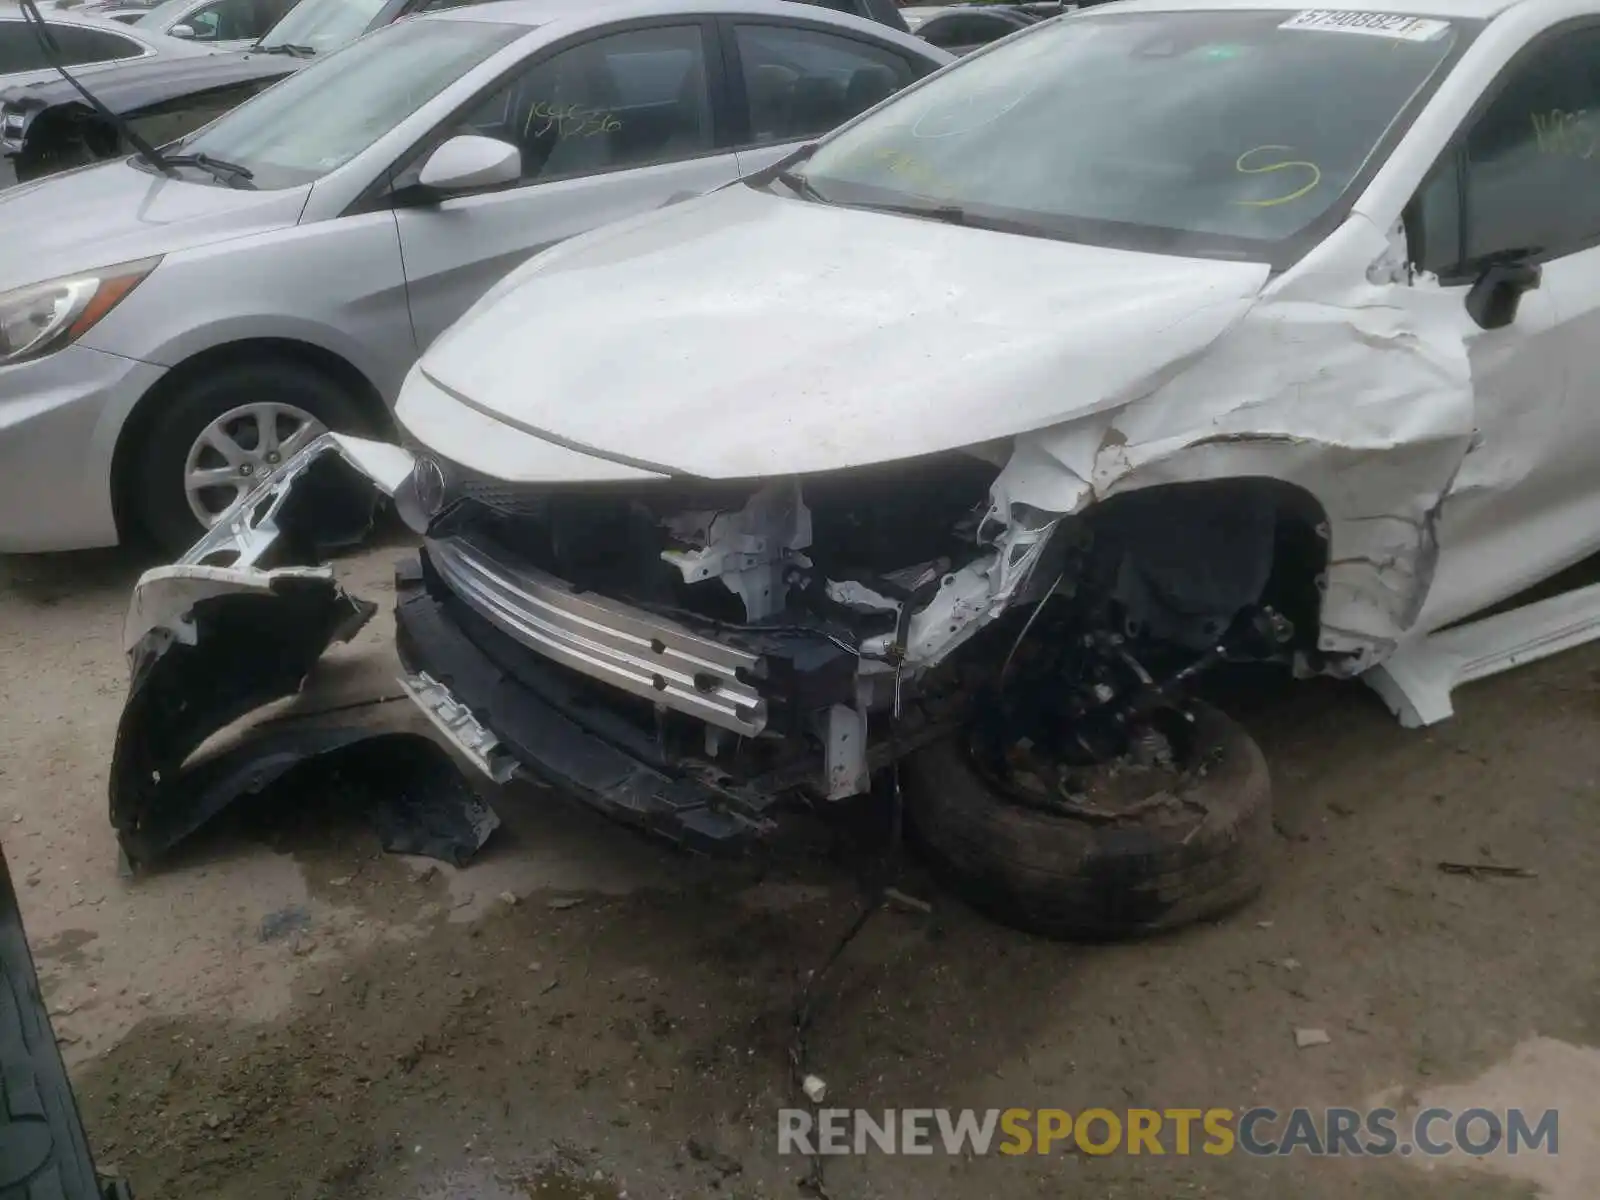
<point>113,212</point>
<point>746,334</point>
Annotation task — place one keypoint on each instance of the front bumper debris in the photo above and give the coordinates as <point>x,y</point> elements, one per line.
<point>519,671</point>
<point>543,725</point>
<point>221,633</point>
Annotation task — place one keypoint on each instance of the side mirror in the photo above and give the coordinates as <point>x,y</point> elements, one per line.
<point>469,161</point>
<point>1494,298</point>
<point>181,31</point>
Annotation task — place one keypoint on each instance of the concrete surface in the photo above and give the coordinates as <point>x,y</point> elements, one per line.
<point>286,1012</point>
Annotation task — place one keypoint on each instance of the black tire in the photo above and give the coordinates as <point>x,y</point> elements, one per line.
<point>43,1152</point>
<point>1066,877</point>
<point>158,496</point>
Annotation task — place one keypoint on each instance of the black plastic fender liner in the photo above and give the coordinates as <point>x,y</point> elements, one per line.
<point>239,651</point>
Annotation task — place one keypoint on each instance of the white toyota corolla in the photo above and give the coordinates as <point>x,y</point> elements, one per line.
<point>1166,333</point>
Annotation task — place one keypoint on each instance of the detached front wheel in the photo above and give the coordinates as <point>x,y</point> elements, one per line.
<point>1191,846</point>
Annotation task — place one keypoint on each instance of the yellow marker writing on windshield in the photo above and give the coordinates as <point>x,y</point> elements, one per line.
<point>1269,168</point>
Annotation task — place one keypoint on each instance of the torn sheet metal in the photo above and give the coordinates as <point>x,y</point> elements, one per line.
<point>1361,394</point>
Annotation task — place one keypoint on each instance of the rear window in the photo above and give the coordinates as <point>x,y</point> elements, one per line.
<point>20,51</point>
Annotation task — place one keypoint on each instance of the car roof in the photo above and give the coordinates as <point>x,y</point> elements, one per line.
<point>87,20</point>
<point>540,12</point>
<point>1471,10</point>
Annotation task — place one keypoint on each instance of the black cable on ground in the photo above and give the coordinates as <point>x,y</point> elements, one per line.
<point>815,1182</point>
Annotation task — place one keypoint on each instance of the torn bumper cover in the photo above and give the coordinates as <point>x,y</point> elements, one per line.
<point>219,634</point>
<point>239,622</point>
<point>542,721</point>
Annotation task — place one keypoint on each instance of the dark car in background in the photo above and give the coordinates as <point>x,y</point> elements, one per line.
<point>963,28</point>
<point>47,127</point>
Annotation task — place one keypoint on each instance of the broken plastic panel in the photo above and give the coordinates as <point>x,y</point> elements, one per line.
<point>219,634</point>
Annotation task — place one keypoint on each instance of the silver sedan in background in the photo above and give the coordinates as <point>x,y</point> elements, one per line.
<point>178,329</point>
<point>86,42</point>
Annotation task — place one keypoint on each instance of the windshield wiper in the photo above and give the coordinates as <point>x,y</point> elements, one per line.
<point>51,50</point>
<point>219,169</point>
<point>800,186</point>
<point>293,49</point>
<point>950,214</point>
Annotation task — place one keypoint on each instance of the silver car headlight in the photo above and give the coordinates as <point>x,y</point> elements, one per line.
<point>43,317</point>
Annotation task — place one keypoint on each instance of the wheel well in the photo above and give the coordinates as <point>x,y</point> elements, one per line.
<point>1205,548</point>
<point>146,411</point>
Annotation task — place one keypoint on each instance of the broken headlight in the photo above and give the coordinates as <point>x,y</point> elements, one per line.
<point>43,317</point>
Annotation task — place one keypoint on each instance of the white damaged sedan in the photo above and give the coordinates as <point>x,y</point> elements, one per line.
<point>1168,333</point>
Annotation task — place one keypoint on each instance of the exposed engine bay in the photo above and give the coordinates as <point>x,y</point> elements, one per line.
<point>684,655</point>
<point>874,608</point>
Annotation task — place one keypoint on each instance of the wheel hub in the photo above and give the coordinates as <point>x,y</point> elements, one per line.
<point>241,449</point>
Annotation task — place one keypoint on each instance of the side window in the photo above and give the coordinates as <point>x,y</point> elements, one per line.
<point>1531,175</point>
<point>80,45</point>
<point>801,82</point>
<point>231,20</point>
<point>19,50</point>
<point>624,100</point>
<point>1433,221</point>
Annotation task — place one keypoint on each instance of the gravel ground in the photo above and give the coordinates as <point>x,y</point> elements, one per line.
<point>286,1012</point>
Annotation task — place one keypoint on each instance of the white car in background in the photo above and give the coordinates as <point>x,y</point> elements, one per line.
<point>170,339</point>
<point>220,24</point>
<point>86,42</point>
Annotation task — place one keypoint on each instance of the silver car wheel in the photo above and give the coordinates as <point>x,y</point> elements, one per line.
<point>238,450</point>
